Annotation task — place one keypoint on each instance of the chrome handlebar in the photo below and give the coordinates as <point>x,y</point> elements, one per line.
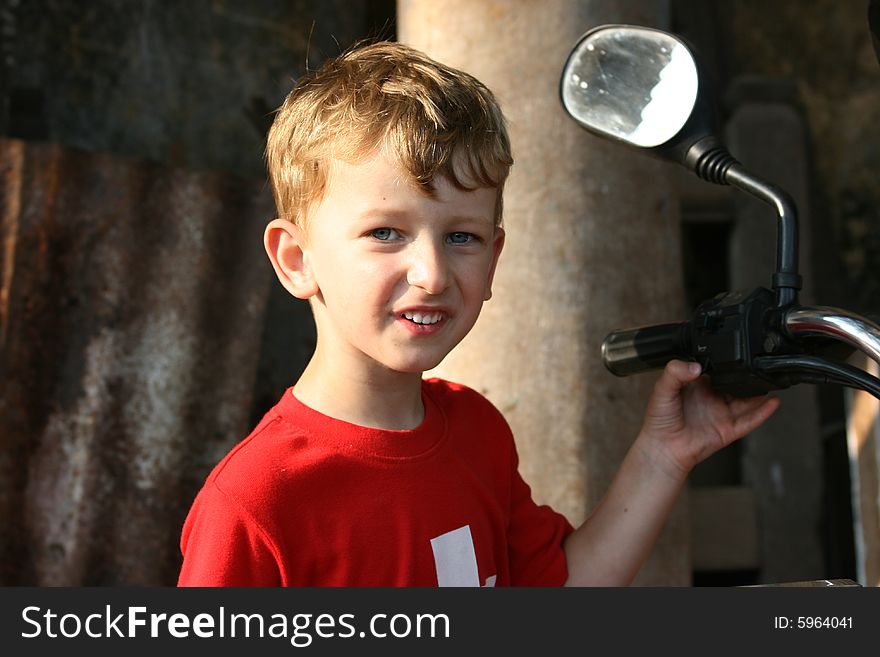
<point>836,323</point>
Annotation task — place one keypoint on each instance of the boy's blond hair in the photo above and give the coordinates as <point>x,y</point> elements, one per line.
<point>433,119</point>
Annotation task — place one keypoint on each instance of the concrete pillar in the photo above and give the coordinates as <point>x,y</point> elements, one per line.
<point>593,245</point>
<point>782,460</point>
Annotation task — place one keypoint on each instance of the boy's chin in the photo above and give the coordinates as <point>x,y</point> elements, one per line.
<point>417,367</point>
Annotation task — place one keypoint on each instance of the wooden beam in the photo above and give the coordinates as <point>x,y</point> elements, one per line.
<point>724,528</point>
<point>863,442</point>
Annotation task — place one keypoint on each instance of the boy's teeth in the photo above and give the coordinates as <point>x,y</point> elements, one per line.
<point>424,318</point>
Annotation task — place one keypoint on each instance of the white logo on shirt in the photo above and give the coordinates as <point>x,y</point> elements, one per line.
<point>456,559</point>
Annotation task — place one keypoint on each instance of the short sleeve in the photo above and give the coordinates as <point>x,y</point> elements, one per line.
<point>535,539</point>
<point>222,546</point>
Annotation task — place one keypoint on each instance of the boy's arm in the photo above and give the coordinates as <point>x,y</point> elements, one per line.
<point>686,421</point>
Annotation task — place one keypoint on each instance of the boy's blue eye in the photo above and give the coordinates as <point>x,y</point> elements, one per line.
<point>383,234</point>
<point>461,238</point>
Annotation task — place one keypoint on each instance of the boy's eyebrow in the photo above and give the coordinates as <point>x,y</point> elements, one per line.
<point>372,214</point>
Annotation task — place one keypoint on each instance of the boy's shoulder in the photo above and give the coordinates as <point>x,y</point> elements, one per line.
<point>451,396</point>
<point>450,392</point>
<point>468,413</point>
<point>257,463</point>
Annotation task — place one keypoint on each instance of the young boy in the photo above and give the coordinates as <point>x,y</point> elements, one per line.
<point>388,170</point>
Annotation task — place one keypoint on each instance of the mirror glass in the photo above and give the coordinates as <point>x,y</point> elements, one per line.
<point>635,84</point>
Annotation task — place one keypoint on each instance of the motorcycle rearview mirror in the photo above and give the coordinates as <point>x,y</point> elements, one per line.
<point>635,85</point>
<point>644,87</point>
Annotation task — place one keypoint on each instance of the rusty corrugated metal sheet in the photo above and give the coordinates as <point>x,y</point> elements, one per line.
<point>131,304</point>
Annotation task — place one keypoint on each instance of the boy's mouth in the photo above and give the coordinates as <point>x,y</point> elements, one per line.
<point>423,318</point>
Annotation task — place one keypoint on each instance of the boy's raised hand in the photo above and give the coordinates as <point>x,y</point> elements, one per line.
<point>686,420</point>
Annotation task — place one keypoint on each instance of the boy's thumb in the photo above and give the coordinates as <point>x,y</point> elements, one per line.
<point>679,373</point>
<point>684,370</point>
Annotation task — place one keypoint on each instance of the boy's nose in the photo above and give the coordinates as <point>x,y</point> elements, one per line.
<point>428,268</point>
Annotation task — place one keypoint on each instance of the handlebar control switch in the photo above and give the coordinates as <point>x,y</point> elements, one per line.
<point>728,332</point>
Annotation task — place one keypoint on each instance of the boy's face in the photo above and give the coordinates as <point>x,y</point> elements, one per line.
<point>400,277</point>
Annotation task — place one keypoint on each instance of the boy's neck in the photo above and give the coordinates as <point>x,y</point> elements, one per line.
<point>381,400</point>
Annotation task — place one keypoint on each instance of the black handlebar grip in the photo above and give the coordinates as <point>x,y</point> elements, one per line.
<point>646,348</point>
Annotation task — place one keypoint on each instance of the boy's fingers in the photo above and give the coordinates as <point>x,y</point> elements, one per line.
<point>753,413</point>
<point>742,405</point>
<point>746,406</point>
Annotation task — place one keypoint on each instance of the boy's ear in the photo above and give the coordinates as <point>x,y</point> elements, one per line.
<point>497,245</point>
<point>285,245</point>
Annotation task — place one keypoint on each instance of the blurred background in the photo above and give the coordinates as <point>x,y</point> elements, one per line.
<point>142,333</point>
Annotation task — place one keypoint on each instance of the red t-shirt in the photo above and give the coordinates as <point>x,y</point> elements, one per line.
<point>308,500</point>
